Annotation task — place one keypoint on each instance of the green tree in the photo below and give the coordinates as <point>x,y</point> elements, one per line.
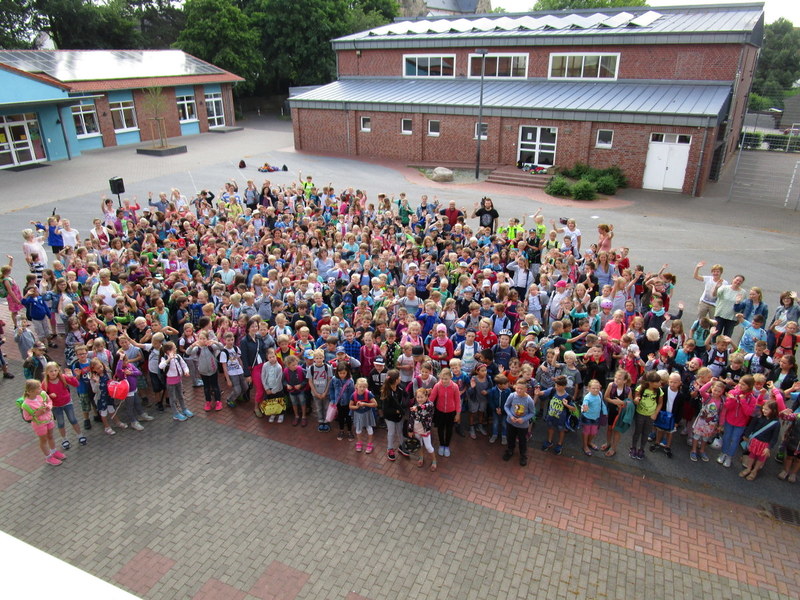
<point>159,21</point>
<point>18,20</point>
<point>82,24</point>
<point>779,63</point>
<point>577,4</point>
<point>218,32</point>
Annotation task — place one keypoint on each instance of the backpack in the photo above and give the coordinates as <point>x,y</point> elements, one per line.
<point>25,409</point>
<point>3,290</point>
<point>242,164</point>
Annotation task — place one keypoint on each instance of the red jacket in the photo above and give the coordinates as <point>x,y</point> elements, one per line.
<point>446,399</point>
<point>62,395</point>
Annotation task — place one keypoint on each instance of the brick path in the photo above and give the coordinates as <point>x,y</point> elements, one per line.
<point>225,506</point>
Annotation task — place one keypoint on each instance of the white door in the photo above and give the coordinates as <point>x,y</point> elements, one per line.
<point>537,145</point>
<point>667,157</point>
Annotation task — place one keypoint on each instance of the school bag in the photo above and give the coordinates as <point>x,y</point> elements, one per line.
<point>3,290</point>
<point>24,409</point>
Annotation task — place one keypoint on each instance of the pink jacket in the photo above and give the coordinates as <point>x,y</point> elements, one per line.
<point>446,399</point>
<point>738,408</point>
<point>62,396</point>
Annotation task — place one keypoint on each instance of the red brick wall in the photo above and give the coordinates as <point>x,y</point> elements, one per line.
<point>227,104</point>
<point>708,62</point>
<point>200,104</point>
<point>326,131</point>
<point>106,123</point>
<point>147,127</point>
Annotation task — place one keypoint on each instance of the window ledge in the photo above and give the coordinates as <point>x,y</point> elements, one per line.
<point>86,136</point>
<point>126,130</point>
<point>433,135</point>
<point>604,146</point>
<point>189,121</point>
<point>406,133</point>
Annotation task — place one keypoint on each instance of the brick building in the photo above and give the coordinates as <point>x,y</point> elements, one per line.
<point>54,104</point>
<point>660,93</point>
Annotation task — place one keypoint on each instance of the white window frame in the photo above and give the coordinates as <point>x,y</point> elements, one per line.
<point>218,119</point>
<point>85,109</point>
<point>438,127</point>
<point>671,138</point>
<point>121,107</point>
<point>599,144</point>
<point>366,124</point>
<point>406,130</point>
<point>183,103</point>
<point>443,57</point>
<point>584,55</point>
<point>484,136</point>
<point>511,55</point>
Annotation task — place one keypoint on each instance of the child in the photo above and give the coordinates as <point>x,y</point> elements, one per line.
<point>230,357</point>
<point>129,371</point>
<point>753,332</point>
<point>520,411</point>
<point>617,392</point>
<point>174,368</point>
<point>446,397</point>
<point>392,396</point>
<point>80,370</point>
<point>706,425</point>
<point>205,352</point>
<point>791,443</point>
<point>294,381</point>
<point>497,402</point>
<point>477,399</point>
<point>591,410</point>
<point>272,380</point>
<point>736,411</point>
<point>342,389</point>
<point>669,416</point>
<point>649,399</point>
<point>99,379</point>
<point>37,410</point>
<point>558,404</point>
<point>320,376</point>
<point>56,384</point>
<point>762,435</point>
<point>361,404</point>
<point>421,422</point>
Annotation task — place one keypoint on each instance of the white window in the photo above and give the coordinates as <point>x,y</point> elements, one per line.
<point>406,127</point>
<point>670,138</point>
<point>507,66</point>
<point>584,66</point>
<point>85,117</point>
<point>427,65</point>
<point>433,128</point>
<point>186,109</point>
<point>366,124</point>
<point>214,110</point>
<point>605,138</point>
<point>123,115</point>
<point>483,128</point>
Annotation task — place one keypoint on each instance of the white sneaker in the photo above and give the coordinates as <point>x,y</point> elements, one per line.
<point>272,418</point>
<point>110,431</point>
<point>721,458</point>
<point>727,462</point>
<point>280,418</point>
<point>137,426</point>
<point>146,417</point>
<point>122,425</point>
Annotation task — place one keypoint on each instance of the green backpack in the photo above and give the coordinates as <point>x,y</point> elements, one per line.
<point>24,408</point>
<point>3,289</point>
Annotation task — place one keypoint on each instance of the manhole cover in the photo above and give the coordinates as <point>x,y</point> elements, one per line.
<point>784,514</point>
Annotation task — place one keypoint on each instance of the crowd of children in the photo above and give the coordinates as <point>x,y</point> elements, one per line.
<point>368,314</point>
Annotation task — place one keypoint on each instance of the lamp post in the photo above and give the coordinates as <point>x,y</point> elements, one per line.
<point>479,129</point>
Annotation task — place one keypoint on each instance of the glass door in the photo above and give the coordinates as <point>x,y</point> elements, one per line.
<point>216,115</point>
<point>537,146</point>
<point>6,156</point>
<point>20,139</point>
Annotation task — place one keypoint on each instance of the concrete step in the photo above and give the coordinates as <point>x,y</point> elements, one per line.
<point>520,179</point>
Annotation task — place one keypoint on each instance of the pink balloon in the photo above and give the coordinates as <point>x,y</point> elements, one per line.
<point>118,389</point>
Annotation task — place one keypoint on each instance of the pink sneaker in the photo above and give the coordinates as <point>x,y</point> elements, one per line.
<point>359,446</point>
<point>52,460</point>
<point>59,455</point>
<point>370,448</point>
<point>207,406</point>
<point>218,405</point>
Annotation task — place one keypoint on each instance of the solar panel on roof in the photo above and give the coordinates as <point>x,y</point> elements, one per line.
<point>621,19</point>
<point>646,19</point>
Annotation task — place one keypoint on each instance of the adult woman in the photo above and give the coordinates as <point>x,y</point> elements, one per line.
<point>788,310</point>
<point>254,355</point>
<point>571,230</point>
<point>606,233</point>
<point>753,305</point>
<point>487,214</point>
<point>727,296</point>
<point>108,290</point>
<point>33,245</point>
<point>784,374</point>
<point>604,270</point>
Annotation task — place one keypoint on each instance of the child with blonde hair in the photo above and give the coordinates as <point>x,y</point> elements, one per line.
<point>362,403</point>
<point>421,423</point>
<point>36,408</point>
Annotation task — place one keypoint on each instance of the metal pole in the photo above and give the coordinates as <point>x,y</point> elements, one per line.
<point>479,130</point>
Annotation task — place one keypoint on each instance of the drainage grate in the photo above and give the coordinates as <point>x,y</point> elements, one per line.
<point>784,514</point>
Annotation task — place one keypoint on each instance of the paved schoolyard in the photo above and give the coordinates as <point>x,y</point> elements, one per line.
<point>226,506</point>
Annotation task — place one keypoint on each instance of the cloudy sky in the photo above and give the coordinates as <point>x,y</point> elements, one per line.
<point>774,9</point>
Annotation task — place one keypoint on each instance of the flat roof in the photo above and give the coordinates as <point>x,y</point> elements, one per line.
<point>690,103</point>
<point>718,23</point>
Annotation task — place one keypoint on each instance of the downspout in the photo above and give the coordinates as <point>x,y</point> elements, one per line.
<point>347,128</point>
<point>700,160</point>
<point>64,133</point>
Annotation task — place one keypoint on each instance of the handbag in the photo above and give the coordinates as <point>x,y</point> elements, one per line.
<point>273,406</point>
<point>746,444</point>
<point>330,414</point>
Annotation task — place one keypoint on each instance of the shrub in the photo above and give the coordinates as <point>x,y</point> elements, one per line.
<point>619,177</point>
<point>584,190</point>
<point>577,172</point>
<point>751,140</point>
<point>558,186</point>
<point>606,185</point>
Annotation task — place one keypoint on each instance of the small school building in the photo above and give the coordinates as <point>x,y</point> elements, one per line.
<point>660,92</point>
<point>55,104</point>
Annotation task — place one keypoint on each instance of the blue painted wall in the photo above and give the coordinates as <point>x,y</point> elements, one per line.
<point>184,90</point>
<point>190,128</point>
<point>129,137</point>
<point>16,88</point>
<point>212,88</point>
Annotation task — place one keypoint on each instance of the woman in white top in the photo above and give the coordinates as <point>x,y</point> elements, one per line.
<point>33,245</point>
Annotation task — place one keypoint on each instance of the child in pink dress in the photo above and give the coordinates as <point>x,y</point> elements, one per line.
<point>37,409</point>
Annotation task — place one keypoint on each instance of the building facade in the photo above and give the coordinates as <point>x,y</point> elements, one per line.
<point>662,94</point>
<point>55,104</point>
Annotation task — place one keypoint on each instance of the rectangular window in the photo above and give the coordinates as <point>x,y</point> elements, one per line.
<point>85,117</point>
<point>215,110</point>
<point>584,66</point>
<point>123,115</point>
<point>366,124</point>
<point>483,128</point>
<point>507,66</point>
<point>605,138</point>
<point>429,65</point>
<point>670,138</point>
<point>406,127</point>
<point>433,128</point>
<point>186,109</point>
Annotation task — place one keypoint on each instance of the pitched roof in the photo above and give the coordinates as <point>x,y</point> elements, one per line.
<point>113,67</point>
<point>719,23</point>
<point>632,101</point>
